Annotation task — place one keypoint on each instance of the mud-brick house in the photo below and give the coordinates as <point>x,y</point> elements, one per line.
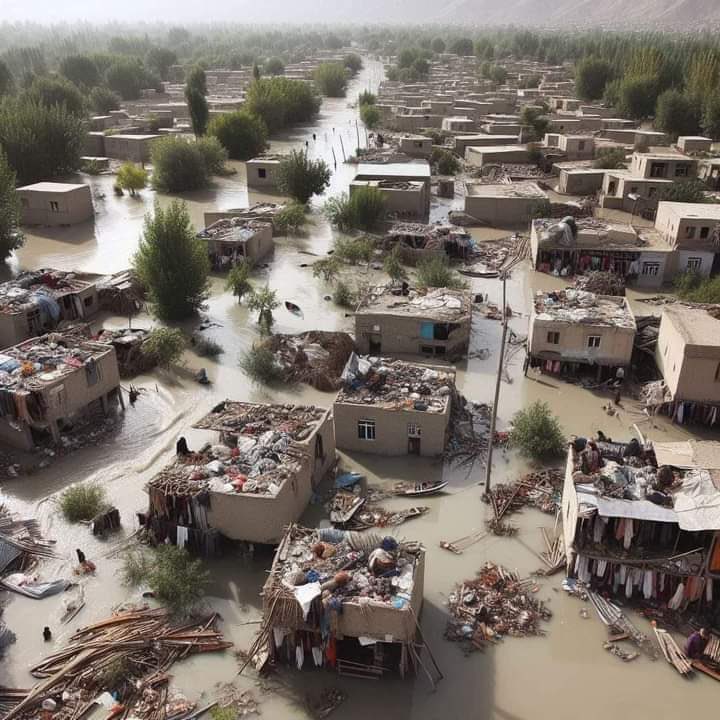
<point>416,145</point>
<point>392,407</point>
<point>53,203</point>
<point>233,240</point>
<point>135,148</point>
<point>47,381</point>
<point>38,301</point>
<point>504,204</point>
<point>435,323</point>
<point>249,485</point>
<point>573,328</point>
<point>402,199</point>
<point>262,171</point>
<point>344,601</point>
<point>410,172</point>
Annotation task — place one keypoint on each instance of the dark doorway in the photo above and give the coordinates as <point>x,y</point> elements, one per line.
<point>374,345</point>
<point>413,446</point>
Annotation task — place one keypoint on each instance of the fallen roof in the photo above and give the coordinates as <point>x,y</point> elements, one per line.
<point>439,304</point>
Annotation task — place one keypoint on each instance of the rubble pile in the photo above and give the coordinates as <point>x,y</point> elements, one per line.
<point>121,293</point>
<point>540,489</point>
<point>578,306</point>
<point>469,431</point>
<point>128,344</point>
<point>316,358</point>
<point>495,604</point>
<point>601,283</point>
<point>129,654</point>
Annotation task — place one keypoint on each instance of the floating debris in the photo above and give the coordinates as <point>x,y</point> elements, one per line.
<point>322,705</point>
<point>618,652</point>
<point>540,489</point>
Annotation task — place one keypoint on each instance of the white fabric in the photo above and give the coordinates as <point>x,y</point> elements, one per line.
<point>305,594</point>
<point>182,536</point>
<point>675,601</point>
<point>697,503</point>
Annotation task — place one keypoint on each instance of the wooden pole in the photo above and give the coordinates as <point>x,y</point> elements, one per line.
<point>498,380</point>
<point>342,145</point>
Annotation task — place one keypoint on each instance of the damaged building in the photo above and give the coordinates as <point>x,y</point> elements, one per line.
<point>415,241</point>
<point>572,328</point>
<point>234,240</point>
<point>48,381</point>
<point>254,481</point>
<point>392,407</point>
<point>432,323</point>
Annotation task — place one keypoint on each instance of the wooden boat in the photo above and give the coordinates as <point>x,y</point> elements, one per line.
<point>421,488</point>
<point>293,308</point>
<point>344,506</point>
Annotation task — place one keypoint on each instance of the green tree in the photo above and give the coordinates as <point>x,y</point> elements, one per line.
<point>435,272</point>
<point>591,76</point>
<point>687,191</point>
<point>214,155</point>
<point>406,57</point>
<point>637,96</point>
<point>462,46</point>
<point>676,114</point>
<point>328,268</point>
<point>264,302</point>
<point>172,263</point>
<point>300,177</point>
<point>10,235</point>
<point>370,116</point>
<point>178,165</point>
<point>80,70</point>
<point>165,346</point>
<point>7,83</point>
<point>534,119</point>
<point>159,60</point>
<point>343,296</point>
<point>353,62</point>
<point>274,66</point>
<point>290,219</point>
<point>196,79</point>
<point>57,91</point>
<point>259,364</point>
<point>392,265</point>
<point>363,209</point>
<point>366,98</point>
<point>238,279</point>
<point>243,135</point>
<point>126,77</point>
<point>103,100</point>
<point>131,177</point>
<point>40,142</point>
<point>711,116</point>
<point>444,162</point>
<point>438,46</point>
<point>198,109</point>
<point>331,79</point>
<point>281,102</point>
<point>610,159</point>
<point>536,432</point>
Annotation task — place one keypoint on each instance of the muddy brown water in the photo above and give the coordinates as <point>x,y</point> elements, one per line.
<point>563,675</point>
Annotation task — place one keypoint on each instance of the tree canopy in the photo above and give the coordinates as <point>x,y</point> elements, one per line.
<point>331,79</point>
<point>591,76</point>
<point>10,236</point>
<point>300,177</point>
<point>242,134</point>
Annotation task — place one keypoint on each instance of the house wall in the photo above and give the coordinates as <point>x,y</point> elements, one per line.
<point>694,144</point>
<point>416,147</point>
<point>584,183</point>
<point>616,343</point>
<point>648,276</point>
<point>669,168</point>
<point>261,244</point>
<point>254,170</point>
<point>479,156</point>
<point>38,207</point>
<point>458,124</point>
<point>462,142</point>
<point>401,336</point>
<point>577,148</point>
<point>123,147</point>
<point>569,509</point>
<point>502,211</point>
<point>391,429</point>
<point>94,144</point>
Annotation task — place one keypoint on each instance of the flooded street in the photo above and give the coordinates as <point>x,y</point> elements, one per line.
<point>558,676</point>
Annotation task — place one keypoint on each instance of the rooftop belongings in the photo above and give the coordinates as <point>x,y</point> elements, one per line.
<point>577,306</point>
<point>236,230</point>
<point>316,357</point>
<point>439,238</point>
<point>601,282</point>
<point>144,643</point>
<point>441,304</point>
<point>396,384</point>
<point>494,604</point>
<point>40,288</point>
<point>327,584</point>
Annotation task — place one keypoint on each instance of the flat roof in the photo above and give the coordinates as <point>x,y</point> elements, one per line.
<point>34,288</point>
<point>419,170</point>
<point>132,136</point>
<point>578,306</point>
<point>438,304</point>
<point>54,187</point>
<point>701,211</point>
<point>525,189</point>
<point>694,323</point>
<point>496,148</point>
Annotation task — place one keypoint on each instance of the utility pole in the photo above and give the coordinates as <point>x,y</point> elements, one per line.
<point>498,380</point>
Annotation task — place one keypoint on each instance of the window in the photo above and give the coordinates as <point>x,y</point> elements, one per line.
<point>88,301</point>
<point>694,263</point>
<point>681,171</point>
<point>366,429</point>
<point>426,349</point>
<point>553,338</point>
<point>704,232</point>
<point>418,144</point>
<point>262,173</point>
<point>414,430</point>
<point>54,206</point>
<point>593,341</point>
<point>652,192</point>
<point>650,268</point>
<point>634,190</point>
<point>690,232</point>
<point>581,145</point>
<point>657,170</point>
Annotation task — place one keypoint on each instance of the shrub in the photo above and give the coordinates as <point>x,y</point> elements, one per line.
<point>353,62</point>
<point>331,79</point>
<point>103,100</point>
<point>93,167</point>
<point>274,66</point>
<point>135,567</point>
<point>354,250</point>
<point>259,365</point>
<point>366,98</point>
<point>693,287</point>
<point>197,109</point>
<point>343,296</point>
<point>536,432</point>
<point>205,347</point>
<point>180,165</point>
<point>214,155</point>
<point>370,116</point>
<point>176,579</point>
<point>300,177</point>
<point>165,346</point>
<point>687,191</point>
<point>264,301</point>
<point>290,219</point>
<point>83,501</point>
<point>393,266</point>
<point>172,262</point>
<point>238,280</point>
<point>364,209</point>
<point>435,272</point>
<point>445,162</point>
<point>56,90</point>
<point>243,135</point>
<point>327,268</point>
<point>609,159</point>
<point>10,236</point>
<point>131,177</point>
<point>280,102</point>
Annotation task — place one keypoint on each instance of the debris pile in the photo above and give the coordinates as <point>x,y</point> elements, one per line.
<point>121,293</point>
<point>469,431</point>
<point>128,344</point>
<point>495,604</point>
<point>316,358</point>
<point>540,489</point>
<point>601,282</point>
<point>130,654</point>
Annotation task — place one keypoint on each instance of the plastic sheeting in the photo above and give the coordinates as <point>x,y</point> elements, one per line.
<point>697,503</point>
<point>37,590</point>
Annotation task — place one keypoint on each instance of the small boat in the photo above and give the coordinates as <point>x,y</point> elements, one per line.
<point>293,308</point>
<point>421,488</point>
<point>344,506</point>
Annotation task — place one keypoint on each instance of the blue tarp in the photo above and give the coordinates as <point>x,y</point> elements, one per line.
<point>347,480</point>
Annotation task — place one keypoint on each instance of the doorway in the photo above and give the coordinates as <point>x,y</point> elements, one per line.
<point>413,446</point>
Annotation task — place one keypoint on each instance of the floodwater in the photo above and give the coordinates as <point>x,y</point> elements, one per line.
<point>563,675</point>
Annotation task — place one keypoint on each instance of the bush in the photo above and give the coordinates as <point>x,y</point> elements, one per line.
<point>205,347</point>
<point>445,162</point>
<point>103,100</point>
<point>214,155</point>
<point>536,432</point>
<point>80,70</point>
<point>165,346</point>
<point>290,219</point>
<point>591,76</point>
<point>327,268</point>
<point>300,177</point>
<point>176,579</point>
<point>131,177</point>
<point>353,62</point>
<point>83,502</point>
<point>609,159</point>
<point>354,250</point>
<point>259,365</point>
<point>40,142</point>
<point>180,165</point>
<point>10,236</point>
<point>676,114</point>
<point>366,98</point>
<point>264,301</point>
<point>393,266</point>
<point>331,79</point>
<point>243,135</point>
<point>50,91</point>
<point>198,110</point>
<point>274,66</point>
<point>238,280</point>
<point>172,262</point>
<point>364,209</point>
<point>435,272</point>
<point>693,287</point>
<point>370,116</point>
<point>686,191</point>
<point>280,102</point>
<point>135,568</point>
<point>343,296</point>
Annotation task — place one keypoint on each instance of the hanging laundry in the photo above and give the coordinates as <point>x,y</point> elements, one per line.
<point>648,584</point>
<point>182,536</point>
<point>299,656</point>
<point>628,533</point>
<point>676,600</point>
